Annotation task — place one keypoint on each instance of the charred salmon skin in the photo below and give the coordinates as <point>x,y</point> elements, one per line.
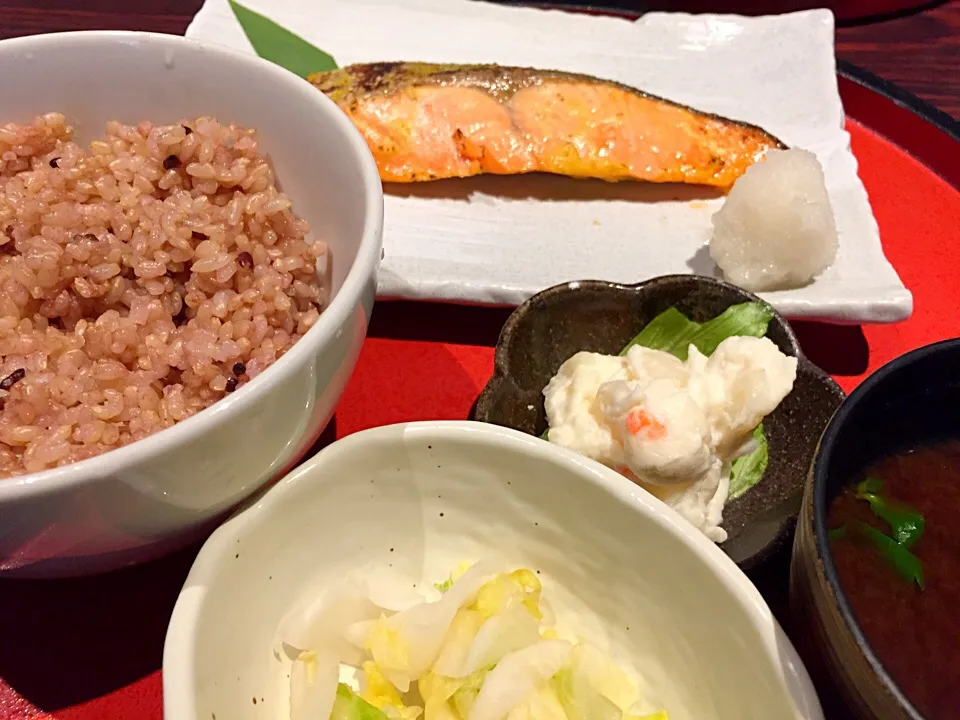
<point>427,121</point>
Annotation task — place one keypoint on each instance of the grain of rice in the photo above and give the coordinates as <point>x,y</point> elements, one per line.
<point>140,278</point>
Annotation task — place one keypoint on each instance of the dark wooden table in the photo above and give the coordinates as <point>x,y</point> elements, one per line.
<point>919,52</point>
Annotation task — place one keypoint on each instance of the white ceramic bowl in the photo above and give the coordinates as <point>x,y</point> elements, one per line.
<point>618,567</point>
<point>149,497</point>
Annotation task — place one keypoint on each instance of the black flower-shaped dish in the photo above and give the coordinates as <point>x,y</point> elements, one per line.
<point>603,317</point>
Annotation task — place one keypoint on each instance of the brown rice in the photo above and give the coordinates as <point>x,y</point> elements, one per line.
<point>141,280</point>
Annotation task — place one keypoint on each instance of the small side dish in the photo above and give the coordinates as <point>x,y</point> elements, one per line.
<point>483,650</point>
<point>340,558</point>
<point>142,278</point>
<point>604,318</point>
<point>680,410</point>
<point>896,550</point>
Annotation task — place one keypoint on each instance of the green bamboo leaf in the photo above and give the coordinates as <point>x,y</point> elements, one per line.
<point>280,46</point>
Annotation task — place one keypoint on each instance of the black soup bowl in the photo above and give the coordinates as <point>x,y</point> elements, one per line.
<point>912,401</point>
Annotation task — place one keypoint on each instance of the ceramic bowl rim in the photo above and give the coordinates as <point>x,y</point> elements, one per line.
<point>178,655</point>
<point>828,444</point>
<point>327,326</point>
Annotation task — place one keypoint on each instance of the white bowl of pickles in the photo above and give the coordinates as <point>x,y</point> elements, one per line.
<point>463,571</point>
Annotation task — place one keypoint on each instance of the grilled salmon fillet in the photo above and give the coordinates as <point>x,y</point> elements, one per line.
<point>427,121</point>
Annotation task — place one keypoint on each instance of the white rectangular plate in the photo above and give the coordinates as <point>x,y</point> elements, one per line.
<point>495,240</point>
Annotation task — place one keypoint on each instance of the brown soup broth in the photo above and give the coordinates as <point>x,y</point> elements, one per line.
<point>914,633</point>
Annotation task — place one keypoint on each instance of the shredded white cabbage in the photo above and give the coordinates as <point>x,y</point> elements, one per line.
<point>313,685</point>
<point>485,650</point>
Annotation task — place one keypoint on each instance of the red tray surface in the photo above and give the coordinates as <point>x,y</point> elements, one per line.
<point>90,649</point>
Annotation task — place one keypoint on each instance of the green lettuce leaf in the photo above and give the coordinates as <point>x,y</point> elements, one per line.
<point>748,470</point>
<point>673,332</point>
<point>666,331</point>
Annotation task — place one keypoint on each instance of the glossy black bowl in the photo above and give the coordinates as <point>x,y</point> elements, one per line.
<point>603,317</point>
<point>912,400</point>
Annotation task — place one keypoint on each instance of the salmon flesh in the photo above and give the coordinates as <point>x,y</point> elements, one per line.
<point>427,121</point>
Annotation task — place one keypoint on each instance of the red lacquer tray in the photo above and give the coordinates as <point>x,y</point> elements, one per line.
<point>90,649</point>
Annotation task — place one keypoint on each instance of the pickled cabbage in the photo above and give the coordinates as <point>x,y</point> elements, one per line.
<point>482,651</point>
